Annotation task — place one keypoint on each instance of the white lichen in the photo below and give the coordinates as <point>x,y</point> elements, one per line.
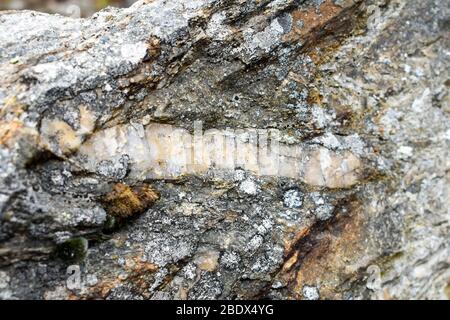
<point>310,293</point>
<point>293,198</point>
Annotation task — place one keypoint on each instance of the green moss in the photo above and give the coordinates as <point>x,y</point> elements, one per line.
<point>110,224</point>
<point>73,250</point>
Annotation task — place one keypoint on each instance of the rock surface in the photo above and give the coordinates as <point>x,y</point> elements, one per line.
<point>337,186</point>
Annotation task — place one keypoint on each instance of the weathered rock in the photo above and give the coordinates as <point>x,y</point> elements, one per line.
<point>319,169</point>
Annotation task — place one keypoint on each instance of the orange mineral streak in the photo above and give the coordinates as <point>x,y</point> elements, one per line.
<point>8,131</point>
<point>135,270</point>
<point>327,255</point>
<point>306,20</point>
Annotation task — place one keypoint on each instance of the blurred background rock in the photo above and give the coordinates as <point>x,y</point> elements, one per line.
<point>84,8</point>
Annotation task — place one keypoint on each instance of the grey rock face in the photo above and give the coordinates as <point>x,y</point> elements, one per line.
<point>100,165</point>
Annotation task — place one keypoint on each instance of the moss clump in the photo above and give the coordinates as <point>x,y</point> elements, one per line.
<point>110,224</point>
<point>124,201</point>
<point>73,250</point>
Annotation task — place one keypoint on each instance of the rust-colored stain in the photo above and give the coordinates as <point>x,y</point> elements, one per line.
<point>325,254</point>
<point>306,20</point>
<point>136,271</point>
<point>11,106</point>
<point>139,271</point>
<point>289,246</point>
<point>322,28</point>
<point>8,131</point>
<point>14,131</point>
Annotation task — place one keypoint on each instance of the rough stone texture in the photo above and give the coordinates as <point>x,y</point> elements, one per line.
<point>356,90</point>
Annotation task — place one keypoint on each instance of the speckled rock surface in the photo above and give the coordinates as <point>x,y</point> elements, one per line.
<point>353,96</point>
